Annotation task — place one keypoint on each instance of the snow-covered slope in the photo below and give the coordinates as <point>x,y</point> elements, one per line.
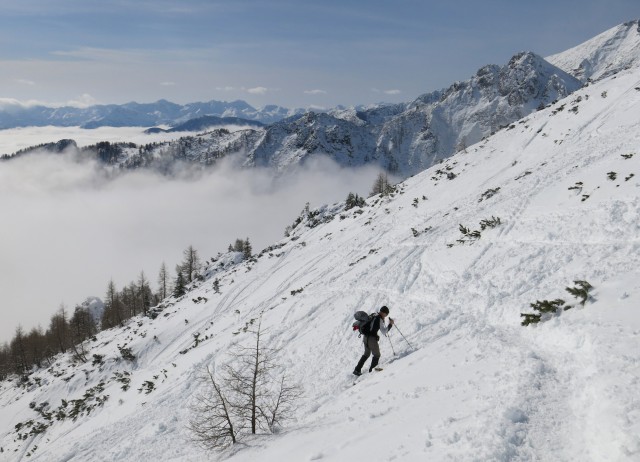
<point>612,51</point>
<point>473,385</point>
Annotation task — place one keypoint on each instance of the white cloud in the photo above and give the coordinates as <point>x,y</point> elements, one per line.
<point>167,84</point>
<point>258,90</point>
<point>25,82</point>
<point>84,100</point>
<point>14,139</point>
<point>315,92</point>
<point>227,88</point>
<point>8,103</point>
<point>392,92</point>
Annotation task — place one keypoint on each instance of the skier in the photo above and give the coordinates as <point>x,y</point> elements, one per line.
<point>370,339</point>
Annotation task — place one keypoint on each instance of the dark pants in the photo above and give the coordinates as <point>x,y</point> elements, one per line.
<point>370,346</point>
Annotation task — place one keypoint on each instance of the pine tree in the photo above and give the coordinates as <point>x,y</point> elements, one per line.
<point>246,249</point>
<point>179,286</point>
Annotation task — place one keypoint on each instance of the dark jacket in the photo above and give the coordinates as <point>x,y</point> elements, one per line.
<point>378,325</point>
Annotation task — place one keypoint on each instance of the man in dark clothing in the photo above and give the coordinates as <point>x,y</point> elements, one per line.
<point>370,339</point>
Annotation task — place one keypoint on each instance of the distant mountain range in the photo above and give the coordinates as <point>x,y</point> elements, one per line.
<point>135,114</point>
<point>402,138</point>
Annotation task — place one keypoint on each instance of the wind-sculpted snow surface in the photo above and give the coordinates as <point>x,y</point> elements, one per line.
<point>604,55</point>
<point>476,385</point>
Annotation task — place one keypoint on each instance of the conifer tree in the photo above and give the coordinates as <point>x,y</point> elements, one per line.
<point>179,286</point>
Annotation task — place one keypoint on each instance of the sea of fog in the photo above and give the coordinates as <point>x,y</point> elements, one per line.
<point>67,229</point>
<point>14,139</point>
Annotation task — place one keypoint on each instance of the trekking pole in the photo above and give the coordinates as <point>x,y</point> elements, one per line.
<point>391,343</point>
<point>405,338</point>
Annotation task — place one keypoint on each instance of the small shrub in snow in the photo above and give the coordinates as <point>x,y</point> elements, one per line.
<point>546,308</point>
<point>581,291</point>
<point>148,386</point>
<point>353,200</point>
<point>489,193</point>
<point>542,307</point>
<point>124,378</point>
<point>490,223</point>
<point>627,156</point>
<point>126,353</point>
<point>627,178</point>
<point>576,187</point>
<point>612,176</point>
<point>98,360</point>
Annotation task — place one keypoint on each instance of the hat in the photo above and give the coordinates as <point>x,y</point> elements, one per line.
<point>384,309</point>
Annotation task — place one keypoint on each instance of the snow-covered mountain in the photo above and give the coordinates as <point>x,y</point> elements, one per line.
<point>458,252</point>
<point>133,114</point>
<point>604,55</point>
<point>407,138</point>
<point>402,138</point>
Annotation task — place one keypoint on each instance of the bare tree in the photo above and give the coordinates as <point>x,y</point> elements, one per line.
<point>58,328</point>
<point>280,406</point>
<point>211,424</point>
<point>248,377</point>
<point>247,393</point>
<point>163,282</point>
<point>190,264</point>
<point>81,327</point>
<point>113,308</point>
<point>382,185</point>
<point>19,351</point>
<point>144,292</point>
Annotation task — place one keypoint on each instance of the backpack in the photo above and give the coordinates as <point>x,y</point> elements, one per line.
<point>363,322</point>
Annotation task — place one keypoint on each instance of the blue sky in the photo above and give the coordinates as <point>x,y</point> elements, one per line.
<point>292,53</point>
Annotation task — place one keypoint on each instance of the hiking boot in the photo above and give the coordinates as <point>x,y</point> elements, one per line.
<point>357,372</point>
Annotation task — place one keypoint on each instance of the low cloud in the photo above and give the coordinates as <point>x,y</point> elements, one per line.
<point>85,100</point>
<point>12,103</point>
<point>25,82</point>
<point>67,228</point>
<point>167,84</point>
<point>386,92</point>
<point>82,101</point>
<point>258,90</point>
<point>14,139</point>
<point>315,92</point>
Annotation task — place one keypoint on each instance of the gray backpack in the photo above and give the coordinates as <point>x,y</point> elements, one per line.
<point>363,322</point>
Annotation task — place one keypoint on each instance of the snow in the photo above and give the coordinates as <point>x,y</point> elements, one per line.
<point>475,385</point>
<point>612,51</point>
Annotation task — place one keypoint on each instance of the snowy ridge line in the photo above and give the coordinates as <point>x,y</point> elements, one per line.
<point>478,385</point>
